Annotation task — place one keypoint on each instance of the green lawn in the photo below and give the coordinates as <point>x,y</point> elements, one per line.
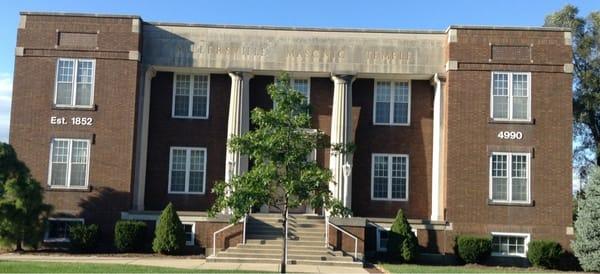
<point>46,267</point>
<point>413,268</point>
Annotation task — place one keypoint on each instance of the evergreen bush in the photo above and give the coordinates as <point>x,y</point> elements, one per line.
<point>130,236</point>
<point>83,238</point>
<point>542,253</point>
<point>169,237</point>
<point>586,245</point>
<point>402,243</point>
<point>473,249</point>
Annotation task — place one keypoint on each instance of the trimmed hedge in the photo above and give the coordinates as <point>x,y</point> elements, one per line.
<point>543,253</point>
<point>169,237</point>
<point>473,249</point>
<point>83,237</point>
<point>130,236</point>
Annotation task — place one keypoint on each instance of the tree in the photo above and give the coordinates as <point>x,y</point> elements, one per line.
<point>22,210</point>
<point>586,74</point>
<point>587,239</point>
<point>282,176</point>
<point>169,236</point>
<point>402,242</point>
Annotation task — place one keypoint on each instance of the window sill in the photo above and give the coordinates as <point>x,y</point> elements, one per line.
<point>186,193</point>
<point>391,125</point>
<point>69,189</point>
<point>388,200</point>
<point>530,122</point>
<point>529,204</point>
<point>83,108</point>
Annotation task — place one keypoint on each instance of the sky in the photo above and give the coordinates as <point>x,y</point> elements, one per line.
<point>420,15</point>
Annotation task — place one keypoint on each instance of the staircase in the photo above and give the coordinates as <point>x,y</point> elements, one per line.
<point>306,243</point>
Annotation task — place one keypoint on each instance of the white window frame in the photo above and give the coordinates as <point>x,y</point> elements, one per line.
<point>509,177</point>
<point>187,240</point>
<point>526,241</point>
<point>59,240</point>
<point>190,97</point>
<point>74,83</point>
<point>389,184</point>
<point>393,84</point>
<point>187,170</point>
<point>510,96</point>
<point>68,173</point>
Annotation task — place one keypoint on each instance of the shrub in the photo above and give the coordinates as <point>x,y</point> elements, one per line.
<point>169,236</point>
<point>543,253</point>
<point>587,238</point>
<point>130,235</point>
<point>473,249</point>
<point>402,242</point>
<point>83,237</point>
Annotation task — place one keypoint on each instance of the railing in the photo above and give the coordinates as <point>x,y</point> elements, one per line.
<point>327,224</point>
<point>214,251</point>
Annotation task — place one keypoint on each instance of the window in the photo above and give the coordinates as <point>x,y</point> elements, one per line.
<point>382,239</point>
<point>302,86</point>
<point>69,163</point>
<point>392,103</point>
<point>187,172</point>
<point>511,96</point>
<point>509,244</point>
<point>509,177</point>
<point>191,96</point>
<point>190,233</point>
<point>58,229</point>
<point>74,83</point>
<point>389,179</point>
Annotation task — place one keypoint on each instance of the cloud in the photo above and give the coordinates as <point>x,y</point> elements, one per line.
<point>5,103</point>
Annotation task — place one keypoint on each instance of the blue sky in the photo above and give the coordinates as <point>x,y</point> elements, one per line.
<point>352,14</point>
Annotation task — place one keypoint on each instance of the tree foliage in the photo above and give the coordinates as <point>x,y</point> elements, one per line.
<point>281,176</point>
<point>22,210</point>
<point>402,243</point>
<point>587,226</point>
<point>586,74</point>
<point>169,235</point>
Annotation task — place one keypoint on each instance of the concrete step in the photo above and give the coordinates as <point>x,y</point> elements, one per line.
<point>271,246</point>
<point>277,260</point>
<point>280,242</point>
<point>298,251</point>
<point>309,233</point>
<point>291,256</point>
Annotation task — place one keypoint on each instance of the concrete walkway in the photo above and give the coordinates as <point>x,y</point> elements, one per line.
<point>186,263</point>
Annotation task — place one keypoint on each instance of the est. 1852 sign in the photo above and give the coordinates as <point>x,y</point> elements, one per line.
<point>77,121</point>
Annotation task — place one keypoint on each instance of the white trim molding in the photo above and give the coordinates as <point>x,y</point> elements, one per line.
<point>188,169</point>
<point>508,165</point>
<point>389,171</point>
<point>193,80</point>
<point>510,96</point>
<point>526,239</point>
<point>392,102</point>
<point>69,163</point>
<point>74,75</point>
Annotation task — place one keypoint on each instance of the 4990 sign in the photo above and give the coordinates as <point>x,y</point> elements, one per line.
<point>510,135</point>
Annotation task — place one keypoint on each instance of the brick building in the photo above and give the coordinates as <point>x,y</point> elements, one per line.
<point>468,129</point>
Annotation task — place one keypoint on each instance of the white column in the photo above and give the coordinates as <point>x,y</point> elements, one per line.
<point>437,144</point>
<point>139,187</point>
<point>238,121</point>
<point>341,134</point>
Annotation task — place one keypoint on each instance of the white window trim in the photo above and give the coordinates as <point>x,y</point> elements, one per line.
<point>389,198</point>
<point>187,242</point>
<point>509,177</point>
<point>510,96</point>
<point>68,174</point>
<point>527,237</point>
<point>391,123</point>
<point>74,83</point>
<point>187,170</point>
<point>60,240</point>
<point>190,97</point>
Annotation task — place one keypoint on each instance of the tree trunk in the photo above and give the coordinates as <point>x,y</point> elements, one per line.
<point>19,247</point>
<point>283,265</point>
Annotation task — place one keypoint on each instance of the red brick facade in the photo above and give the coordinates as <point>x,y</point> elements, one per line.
<point>468,135</point>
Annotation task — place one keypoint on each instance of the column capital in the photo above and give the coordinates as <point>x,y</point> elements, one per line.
<point>240,74</point>
<point>343,78</point>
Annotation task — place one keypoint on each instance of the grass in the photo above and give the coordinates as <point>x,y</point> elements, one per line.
<point>48,267</point>
<point>413,268</point>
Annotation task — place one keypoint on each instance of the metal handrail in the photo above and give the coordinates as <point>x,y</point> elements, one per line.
<point>345,232</point>
<point>214,251</point>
